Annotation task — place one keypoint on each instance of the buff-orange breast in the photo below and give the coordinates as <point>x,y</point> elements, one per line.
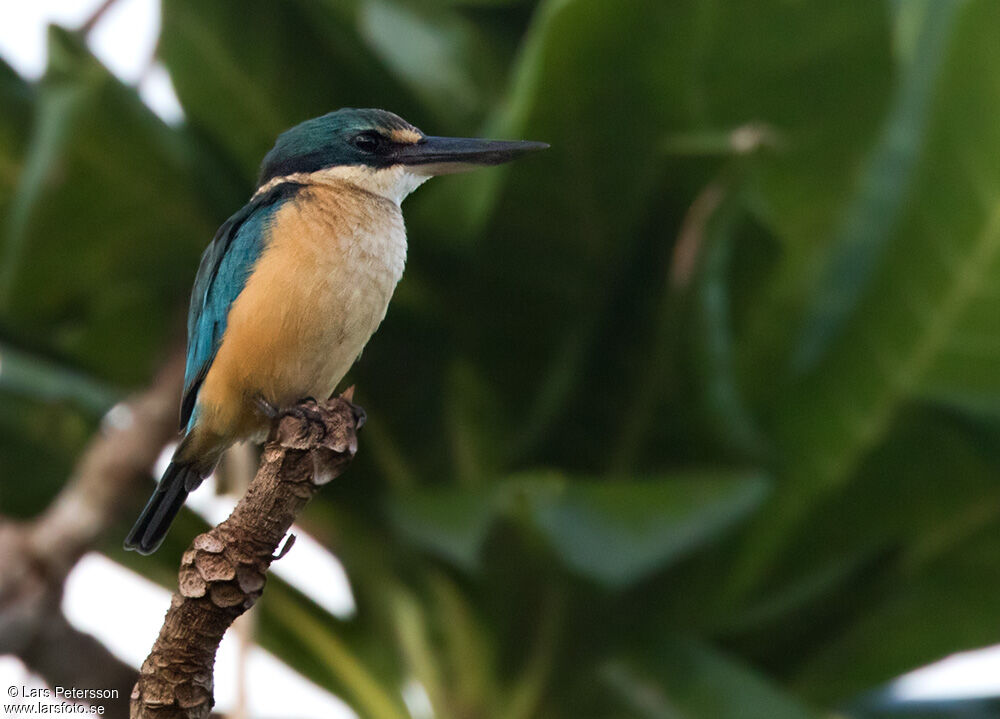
<point>319,290</point>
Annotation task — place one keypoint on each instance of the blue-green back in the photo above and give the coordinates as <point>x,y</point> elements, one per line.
<point>222,275</point>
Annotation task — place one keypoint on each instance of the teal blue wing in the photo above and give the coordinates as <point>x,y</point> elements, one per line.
<point>222,275</point>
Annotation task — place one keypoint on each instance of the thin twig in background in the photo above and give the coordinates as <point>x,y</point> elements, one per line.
<point>96,16</point>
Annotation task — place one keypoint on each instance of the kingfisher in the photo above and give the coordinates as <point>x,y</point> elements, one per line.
<point>295,283</point>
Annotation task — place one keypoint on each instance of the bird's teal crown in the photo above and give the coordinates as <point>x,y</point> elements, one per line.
<point>348,136</point>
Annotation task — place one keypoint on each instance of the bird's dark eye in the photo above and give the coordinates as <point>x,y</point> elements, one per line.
<point>368,142</point>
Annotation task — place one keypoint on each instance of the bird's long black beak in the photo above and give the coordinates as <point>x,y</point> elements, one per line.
<point>445,155</point>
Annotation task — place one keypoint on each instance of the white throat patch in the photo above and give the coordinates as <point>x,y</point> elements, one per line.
<point>393,183</point>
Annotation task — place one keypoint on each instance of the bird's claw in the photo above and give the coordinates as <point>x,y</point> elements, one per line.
<point>265,408</point>
<point>357,411</point>
<point>359,414</point>
<point>306,413</point>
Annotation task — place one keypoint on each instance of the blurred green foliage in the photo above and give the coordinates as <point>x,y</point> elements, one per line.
<point>694,415</point>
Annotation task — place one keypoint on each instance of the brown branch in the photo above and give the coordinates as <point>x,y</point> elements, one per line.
<point>67,657</point>
<point>223,572</point>
<point>691,238</point>
<point>108,475</point>
<point>36,556</point>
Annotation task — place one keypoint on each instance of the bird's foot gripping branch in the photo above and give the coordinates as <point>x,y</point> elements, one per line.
<point>223,571</point>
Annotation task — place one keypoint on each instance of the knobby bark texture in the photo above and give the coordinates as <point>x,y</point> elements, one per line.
<point>223,572</point>
<point>37,555</point>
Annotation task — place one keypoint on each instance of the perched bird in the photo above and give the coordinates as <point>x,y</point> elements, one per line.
<point>295,283</point>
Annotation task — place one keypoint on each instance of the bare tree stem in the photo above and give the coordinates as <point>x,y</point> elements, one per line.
<point>223,572</point>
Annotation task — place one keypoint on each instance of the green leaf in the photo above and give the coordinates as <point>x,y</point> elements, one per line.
<point>56,110</point>
<point>715,355</point>
<point>563,75</point>
<point>32,377</point>
<point>824,122</point>
<point>445,59</point>
<point>850,551</point>
<point>16,97</point>
<point>106,225</point>
<point>616,532</point>
<point>796,75</point>
<point>450,523</point>
<point>476,431</point>
<point>681,678</point>
<point>246,70</point>
<point>38,445</point>
<point>467,649</point>
<point>368,693</point>
<point>925,615</point>
<point>870,218</point>
<point>503,231</point>
<point>559,235</point>
<point>484,3</point>
<point>925,327</point>
<point>885,706</point>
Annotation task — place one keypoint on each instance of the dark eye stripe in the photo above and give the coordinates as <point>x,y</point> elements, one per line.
<point>372,142</point>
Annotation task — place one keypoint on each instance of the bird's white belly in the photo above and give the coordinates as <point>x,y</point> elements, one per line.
<point>347,281</point>
<point>350,305</point>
